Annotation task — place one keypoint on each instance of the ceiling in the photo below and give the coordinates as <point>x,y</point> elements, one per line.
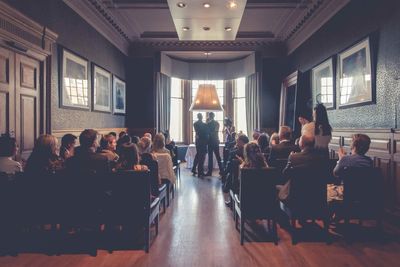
<point>263,22</point>
<point>211,56</point>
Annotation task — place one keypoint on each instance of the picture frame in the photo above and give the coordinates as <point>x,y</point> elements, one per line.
<point>323,83</point>
<point>102,94</point>
<point>119,96</point>
<point>74,81</point>
<point>288,101</point>
<point>356,77</point>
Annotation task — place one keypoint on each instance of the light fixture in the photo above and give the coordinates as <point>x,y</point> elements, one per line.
<point>181,4</point>
<point>228,29</point>
<point>232,4</point>
<point>206,96</point>
<point>207,53</point>
<point>185,29</point>
<point>206,5</point>
<point>206,28</point>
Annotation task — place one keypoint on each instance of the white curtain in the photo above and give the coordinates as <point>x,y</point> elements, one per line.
<point>253,96</point>
<point>163,104</point>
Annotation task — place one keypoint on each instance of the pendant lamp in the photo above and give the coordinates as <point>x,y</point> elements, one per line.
<point>206,97</point>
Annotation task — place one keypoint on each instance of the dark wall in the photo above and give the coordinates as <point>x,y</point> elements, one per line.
<point>360,18</point>
<point>141,94</point>
<point>77,35</point>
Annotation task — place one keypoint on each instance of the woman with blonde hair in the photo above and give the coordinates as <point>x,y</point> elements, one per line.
<point>44,157</point>
<point>253,158</point>
<point>159,144</point>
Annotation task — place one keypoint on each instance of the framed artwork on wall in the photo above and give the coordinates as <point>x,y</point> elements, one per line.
<point>288,101</point>
<point>101,82</point>
<point>323,84</point>
<point>74,81</point>
<point>119,93</point>
<point>356,76</point>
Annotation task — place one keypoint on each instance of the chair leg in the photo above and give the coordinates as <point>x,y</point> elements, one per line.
<point>168,193</point>
<point>241,231</point>
<point>157,222</point>
<point>147,238</point>
<point>326,230</point>
<point>236,219</point>
<point>173,190</point>
<point>275,232</point>
<point>294,232</point>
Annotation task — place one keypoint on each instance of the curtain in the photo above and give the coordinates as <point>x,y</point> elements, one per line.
<point>253,96</point>
<point>163,102</point>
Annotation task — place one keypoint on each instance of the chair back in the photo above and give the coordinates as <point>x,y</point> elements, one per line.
<point>363,192</point>
<point>129,201</point>
<point>152,164</point>
<point>308,191</point>
<point>258,192</point>
<point>165,167</point>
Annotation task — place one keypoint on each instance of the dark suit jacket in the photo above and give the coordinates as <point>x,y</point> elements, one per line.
<point>87,161</point>
<point>281,151</point>
<point>306,158</point>
<point>213,130</point>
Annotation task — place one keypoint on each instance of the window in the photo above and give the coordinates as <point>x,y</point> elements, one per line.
<point>327,90</point>
<point>176,123</point>
<point>239,105</point>
<point>77,91</point>
<point>346,85</point>
<point>219,116</point>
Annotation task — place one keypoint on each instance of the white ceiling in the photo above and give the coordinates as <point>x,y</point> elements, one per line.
<point>214,56</point>
<point>124,22</point>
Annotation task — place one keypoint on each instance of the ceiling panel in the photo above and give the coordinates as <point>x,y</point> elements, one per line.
<point>214,56</point>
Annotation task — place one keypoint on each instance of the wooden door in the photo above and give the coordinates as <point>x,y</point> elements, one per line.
<point>7,91</point>
<point>27,104</point>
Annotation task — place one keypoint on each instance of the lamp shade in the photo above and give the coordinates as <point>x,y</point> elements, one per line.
<point>206,99</point>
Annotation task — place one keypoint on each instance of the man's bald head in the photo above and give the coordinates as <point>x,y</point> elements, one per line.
<point>307,141</point>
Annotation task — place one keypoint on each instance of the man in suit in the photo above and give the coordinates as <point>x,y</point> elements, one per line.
<point>308,157</point>
<point>86,159</point>
<point>201,145</point>
<point>284,148</point>
<point>213,143</point>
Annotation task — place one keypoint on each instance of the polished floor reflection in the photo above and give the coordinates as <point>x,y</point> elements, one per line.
<point>198,230</point>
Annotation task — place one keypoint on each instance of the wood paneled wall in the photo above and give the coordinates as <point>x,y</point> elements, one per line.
<point>385,152</point>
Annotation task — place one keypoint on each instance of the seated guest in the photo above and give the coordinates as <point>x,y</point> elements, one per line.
<point>44,157</point>
<point>135,139</point>
<point>263,143</point>
<point>124,139</point>
<point>148,135</point>
<point>165,167</point>
<point>67,148</point>
<point>129,159</point>
<point>8,149</point>
<point>253,158</point>
<point>256,135</point>
<point>307,128</point>
<point>121,134</point>
<point>108,146</point>
<point>274,139</point>
<point>170,145</point>
<point>113,134</point>
<point>159,144</point>
<point>85,158</point>
<point>308,157</point>
<point>359,147</point>
<point>285,146</point>
<point>144,145</point>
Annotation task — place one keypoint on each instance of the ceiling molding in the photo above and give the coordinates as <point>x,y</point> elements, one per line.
<point>95,13</point>
<point>321,12</point>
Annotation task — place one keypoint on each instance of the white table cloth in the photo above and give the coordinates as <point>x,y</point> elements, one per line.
<point>191,153</point>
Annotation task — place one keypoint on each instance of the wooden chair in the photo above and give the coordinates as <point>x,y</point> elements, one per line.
<point>362,195</point>
<point>257,199</point>
<point>177,163</point>
<point>307,197</point>
<point>130,204</point>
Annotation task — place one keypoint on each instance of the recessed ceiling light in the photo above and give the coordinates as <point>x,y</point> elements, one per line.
<point>232,4</point>
<point>207,53</point>
<point>181,4</point>
<point>207,5</point>
<point>228,29</point>
<point>185,29</point>
<point>206,28</point>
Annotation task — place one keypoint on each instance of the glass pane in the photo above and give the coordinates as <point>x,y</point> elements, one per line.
<point>239,116</point>
<point>176,124</point>
<point>176,88</point>
<point>240,89</point>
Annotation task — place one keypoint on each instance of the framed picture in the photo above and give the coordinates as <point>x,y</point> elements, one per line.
<point>119,93</point>
<point>74,81</point>
<point>323,84</point>
<point>355,75</point>
<point>288,101</point>
<point>101,89</point>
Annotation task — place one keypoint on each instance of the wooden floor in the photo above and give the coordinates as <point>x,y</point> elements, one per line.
<point>198,230</point>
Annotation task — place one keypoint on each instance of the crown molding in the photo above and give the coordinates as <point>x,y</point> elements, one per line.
<point>315,17</point>
<point>95,13</point>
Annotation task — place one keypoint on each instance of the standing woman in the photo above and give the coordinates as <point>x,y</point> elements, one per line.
<point>230,139</point>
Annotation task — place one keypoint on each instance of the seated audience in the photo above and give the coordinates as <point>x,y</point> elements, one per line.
<point>256,135</point>
<point>68,142</point>
<point>159,144</point>
<point>165,167</point>
<point>307,127</point>
<point>144,145</point>
<point>124,139</point>
<point>170,145</point>
<point>121,134</point>
<point>129,159</point>
<point>285,146</point>
<point>108,147</point>
<point>308,157</point>
<point>148,135</point>
<point>253,158</point>
<point>135,139</point>
<point>359,147</point>
<point>113,134</point>
<point>44,157</point>
<point>85,158</point>
<point>263,143</point>
<point>8,149</point>
<point>274,139</point>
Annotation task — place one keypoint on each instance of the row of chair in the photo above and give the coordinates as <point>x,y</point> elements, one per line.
<point>362,199</point>
<point>77,201</point>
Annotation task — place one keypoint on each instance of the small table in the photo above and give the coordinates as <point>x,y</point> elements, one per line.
<point>191,153</point>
